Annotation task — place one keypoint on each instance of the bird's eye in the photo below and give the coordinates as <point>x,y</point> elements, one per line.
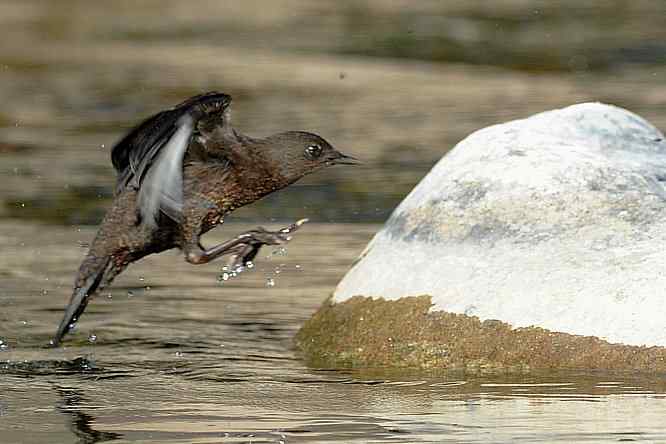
<point>312,152</point>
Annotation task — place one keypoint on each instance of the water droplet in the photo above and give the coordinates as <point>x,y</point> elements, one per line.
<point>24,322</point>
<point>178,354</point>
<point>298,266</point>
<point>130,293</point>
<point>147,288</point>
<point>92,338</point>
<point>225,276</point>
<point>249,264</point>
<point>141,278</point>
<point>270,282</point>
<point>44,292</point>
<point>22,205</point>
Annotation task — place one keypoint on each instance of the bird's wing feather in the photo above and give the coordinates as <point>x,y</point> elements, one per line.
<point>162,186</point>
<point>150,157</point>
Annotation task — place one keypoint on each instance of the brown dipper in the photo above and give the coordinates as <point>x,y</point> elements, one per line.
<point>180,172</point>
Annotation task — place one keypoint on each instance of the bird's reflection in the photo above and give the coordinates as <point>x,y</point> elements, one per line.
<point>80,422</point>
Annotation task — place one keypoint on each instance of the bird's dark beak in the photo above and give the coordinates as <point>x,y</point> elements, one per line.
<point>343,159</point>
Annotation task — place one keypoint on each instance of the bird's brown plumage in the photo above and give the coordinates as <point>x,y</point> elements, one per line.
<point>216,169</point>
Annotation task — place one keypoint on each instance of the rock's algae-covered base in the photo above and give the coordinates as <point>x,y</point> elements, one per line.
<point>367,332</point>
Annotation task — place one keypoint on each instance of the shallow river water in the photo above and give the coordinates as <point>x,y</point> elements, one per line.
<point>171,354</point>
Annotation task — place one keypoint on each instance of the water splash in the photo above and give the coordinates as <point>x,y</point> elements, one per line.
<point>229,272</point>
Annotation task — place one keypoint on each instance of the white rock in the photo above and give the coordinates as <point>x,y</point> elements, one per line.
<point>557,221</point>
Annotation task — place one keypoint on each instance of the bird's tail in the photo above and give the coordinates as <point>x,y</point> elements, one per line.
<point>94,274</point>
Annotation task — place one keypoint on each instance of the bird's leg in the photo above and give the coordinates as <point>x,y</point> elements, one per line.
<point>243,247</point>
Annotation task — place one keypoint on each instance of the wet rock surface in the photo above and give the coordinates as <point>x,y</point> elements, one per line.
<point>555,221</point>
<point>366,332</point>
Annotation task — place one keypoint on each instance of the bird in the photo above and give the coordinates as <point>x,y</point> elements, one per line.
<point>180,173</point>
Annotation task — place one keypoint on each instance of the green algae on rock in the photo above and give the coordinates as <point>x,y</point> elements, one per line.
<point>367,332</point>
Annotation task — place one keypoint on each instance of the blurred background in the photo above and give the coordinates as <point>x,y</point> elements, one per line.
<point>394,83</point>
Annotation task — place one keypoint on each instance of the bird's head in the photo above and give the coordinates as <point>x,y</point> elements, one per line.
<point>298,153</point>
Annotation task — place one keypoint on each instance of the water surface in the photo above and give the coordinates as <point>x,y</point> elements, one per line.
<point>171,354</point>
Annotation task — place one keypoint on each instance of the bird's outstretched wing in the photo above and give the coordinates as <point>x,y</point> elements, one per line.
<point>150,157</point>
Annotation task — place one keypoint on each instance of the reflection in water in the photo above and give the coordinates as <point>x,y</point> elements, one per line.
<point>72,405</point>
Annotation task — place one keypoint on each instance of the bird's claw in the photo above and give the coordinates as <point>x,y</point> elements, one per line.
<point>265,237</point>
<point>295,226</point>
<point>259,237</point>
<point>246,253</point>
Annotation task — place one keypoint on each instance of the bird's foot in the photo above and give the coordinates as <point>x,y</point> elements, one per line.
<point>264,237</point>
<point>253,240</point>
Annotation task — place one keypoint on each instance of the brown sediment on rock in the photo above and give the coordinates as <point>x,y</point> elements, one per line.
<point>367,332</point>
